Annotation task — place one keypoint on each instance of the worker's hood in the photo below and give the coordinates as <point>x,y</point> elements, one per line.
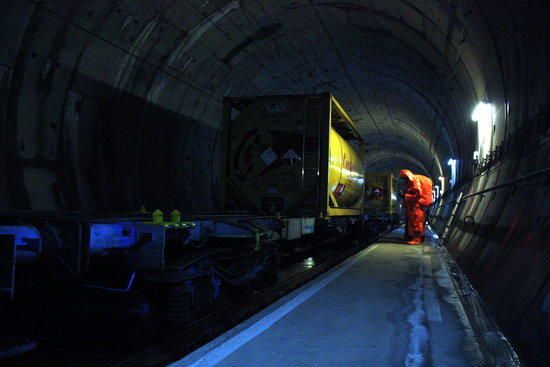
<point>405,173</point>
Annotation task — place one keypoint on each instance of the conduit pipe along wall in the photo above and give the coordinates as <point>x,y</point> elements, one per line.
<point>111,105</point>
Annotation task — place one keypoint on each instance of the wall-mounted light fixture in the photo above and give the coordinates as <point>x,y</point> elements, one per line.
<point>484,115</point>
<point>452,163</point>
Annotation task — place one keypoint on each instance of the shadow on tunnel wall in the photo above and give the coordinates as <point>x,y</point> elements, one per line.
<point>114,154</point>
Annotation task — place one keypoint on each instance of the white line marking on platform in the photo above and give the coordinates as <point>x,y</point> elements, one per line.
<point>217,354</point>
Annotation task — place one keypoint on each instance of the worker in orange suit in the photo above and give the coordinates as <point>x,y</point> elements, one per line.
<point>415,205</point>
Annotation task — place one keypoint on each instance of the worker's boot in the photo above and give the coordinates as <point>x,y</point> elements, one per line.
<point>416,239</point>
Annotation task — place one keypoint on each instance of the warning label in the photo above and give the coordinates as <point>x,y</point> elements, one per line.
<point>268,156</point>
<point>291,157</point>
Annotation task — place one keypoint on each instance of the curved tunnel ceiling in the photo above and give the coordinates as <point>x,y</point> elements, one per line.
<point>115,105</point>
<point>408,72</point>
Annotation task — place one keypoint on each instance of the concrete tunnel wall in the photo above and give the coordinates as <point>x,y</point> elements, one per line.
<point>111,105</point>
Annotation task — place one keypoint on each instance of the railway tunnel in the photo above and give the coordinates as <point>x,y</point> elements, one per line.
<point>116,107</point>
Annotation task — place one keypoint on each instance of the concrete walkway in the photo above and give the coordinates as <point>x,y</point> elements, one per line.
<point>389,305</point>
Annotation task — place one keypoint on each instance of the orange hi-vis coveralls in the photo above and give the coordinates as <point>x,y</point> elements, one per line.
<point>414,206</point>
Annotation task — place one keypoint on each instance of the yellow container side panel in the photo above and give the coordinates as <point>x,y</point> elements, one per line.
<point>346,176</point>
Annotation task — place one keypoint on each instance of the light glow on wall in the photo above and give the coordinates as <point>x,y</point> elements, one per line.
<point>484,115</point>
<point>452,163</point>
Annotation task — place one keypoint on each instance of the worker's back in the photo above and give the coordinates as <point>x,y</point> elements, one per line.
<point>427,187</point>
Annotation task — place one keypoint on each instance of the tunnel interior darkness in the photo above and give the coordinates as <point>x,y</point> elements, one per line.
<point>114,105</point>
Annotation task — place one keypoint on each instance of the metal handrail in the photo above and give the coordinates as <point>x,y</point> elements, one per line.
<point>512,182</point>
<point>505,184</point>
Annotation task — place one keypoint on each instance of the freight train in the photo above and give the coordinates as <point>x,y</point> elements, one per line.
<point>291,172</point>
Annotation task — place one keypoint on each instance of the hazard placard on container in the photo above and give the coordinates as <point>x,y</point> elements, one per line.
<point>268,156</point>
<point>291,157</point>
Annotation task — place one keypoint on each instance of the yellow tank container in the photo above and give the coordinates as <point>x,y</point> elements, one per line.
<point>291,155</point>
<point>346,177</point>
